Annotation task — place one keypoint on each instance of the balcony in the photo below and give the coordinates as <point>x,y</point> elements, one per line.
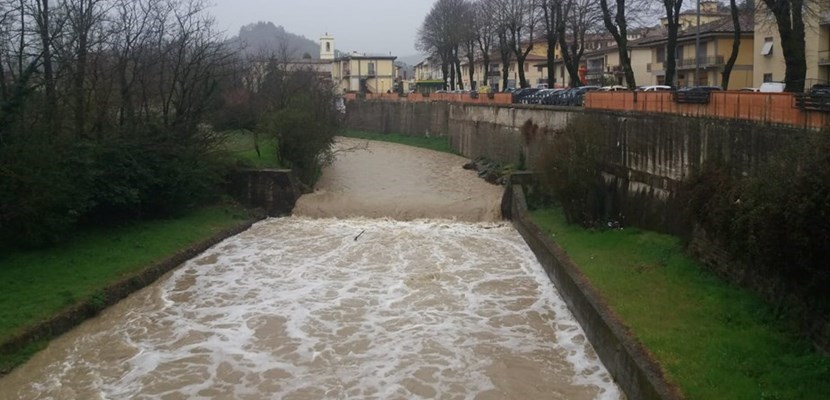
<point>705,62</point>
<point>824,58</point>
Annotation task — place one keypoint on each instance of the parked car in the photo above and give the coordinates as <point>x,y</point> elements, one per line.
<point>577,97</point>
<point>613,88</point>
<point>520,94</point>
<point>655,88</point>
<point>772,87</point>
<point>549,95</point>
<point>559,98</point>
<point>542,86</point>
<point>749,89</point>
<point>537,97</point>
<point>820,90</point>
<point>695,94</point>
<point>700,89</point>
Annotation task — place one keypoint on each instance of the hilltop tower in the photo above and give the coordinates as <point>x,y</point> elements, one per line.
<point>327,47</point>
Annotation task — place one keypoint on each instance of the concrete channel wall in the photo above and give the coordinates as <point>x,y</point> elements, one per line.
<point>646,155</point>
<point>632,367</point>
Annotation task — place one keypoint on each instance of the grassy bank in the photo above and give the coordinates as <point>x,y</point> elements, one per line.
<point>431,143</point>
<point>242,146</point>
<point>36,284</point>
<point>714,340</point>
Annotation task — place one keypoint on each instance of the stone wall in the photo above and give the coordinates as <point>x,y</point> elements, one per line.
<point>646,155</point>
<point>274,190</point>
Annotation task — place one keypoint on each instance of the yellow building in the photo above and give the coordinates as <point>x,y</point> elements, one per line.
<point>535,75</point>
<point>715,48</point>
<point>364,73</point>
<point>769,59</point>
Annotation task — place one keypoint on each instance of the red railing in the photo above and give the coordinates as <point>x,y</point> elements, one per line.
<point>771,108</point>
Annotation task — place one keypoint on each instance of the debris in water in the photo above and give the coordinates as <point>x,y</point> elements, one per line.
<point>359,234</point>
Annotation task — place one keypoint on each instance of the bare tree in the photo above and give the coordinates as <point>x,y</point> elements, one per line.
<point>436,36</point>
<point>550,9</point>
<point>576,18</point>
<point>616,23</point>
<point>82,16</point>
<point>484,34</point>
<point>672,13</point>
<point>789,18</point>
<point>519,18</point>
<point>736,44</point>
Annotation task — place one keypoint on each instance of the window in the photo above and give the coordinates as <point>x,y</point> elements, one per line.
<point>494,67</point>
<point>661,54</point>
<point>527,67</point>
<point>767,49</point>
<point>767,77</point>
<point>328,47</point>
<point>540,69</point>
<point>371,69</point>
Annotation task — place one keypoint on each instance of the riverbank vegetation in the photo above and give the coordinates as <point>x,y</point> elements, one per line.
<point>250,151</point>
<point>432,143</point>
<point>714,340</point>
<point>112,111</point>
<point>743,333</point>
<point>38,283</point>
<point>120,123</point>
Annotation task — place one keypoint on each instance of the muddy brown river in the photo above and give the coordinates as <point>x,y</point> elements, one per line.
<point>395,280</point>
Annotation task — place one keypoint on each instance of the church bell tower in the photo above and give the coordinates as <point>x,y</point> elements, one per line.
<point>327,47</point>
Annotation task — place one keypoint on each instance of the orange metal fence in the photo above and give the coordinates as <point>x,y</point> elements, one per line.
<point>771,108</point>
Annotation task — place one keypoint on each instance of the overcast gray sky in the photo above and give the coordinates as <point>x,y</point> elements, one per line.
<point>370,26</point>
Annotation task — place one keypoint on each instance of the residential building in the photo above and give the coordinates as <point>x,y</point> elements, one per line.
<point>769,58</point>
<point>534,74</point>
<point>704,67</point>
<point>364,73</point>
<point>428,77</point>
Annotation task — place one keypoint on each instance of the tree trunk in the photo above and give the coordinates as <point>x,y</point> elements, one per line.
<point>48,72</point>
<point>620,34</point>
<point>673,18</point>
<point>550,35</point>
<point>790,20</point>
<point>736,45</point>
<point>458,72</point>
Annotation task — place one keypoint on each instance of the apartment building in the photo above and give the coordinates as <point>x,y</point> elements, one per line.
<point>769,59</point>
<point>703,66</point>
<point>364,73</point>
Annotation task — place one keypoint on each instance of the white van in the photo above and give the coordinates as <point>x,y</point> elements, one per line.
<point>772,87</point>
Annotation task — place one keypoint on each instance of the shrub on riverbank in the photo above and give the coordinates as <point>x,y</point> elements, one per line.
<point>775,225</point>
<point>570,172</point>
<point>713,339</point>
<point>36,284</point>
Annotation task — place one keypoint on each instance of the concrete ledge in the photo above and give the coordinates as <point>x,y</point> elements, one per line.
<point>628,362</point>
<point>74,316</point>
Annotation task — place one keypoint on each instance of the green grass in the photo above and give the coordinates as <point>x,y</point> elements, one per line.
<point>36,284</point>
<point>715,341</point>
<point>432,143</point>
<point>242,146</point>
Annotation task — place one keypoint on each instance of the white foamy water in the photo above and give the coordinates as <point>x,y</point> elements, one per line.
<point>296,308</point>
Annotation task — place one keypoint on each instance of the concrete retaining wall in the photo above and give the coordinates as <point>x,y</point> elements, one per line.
<point>632,367</point>
<point>646,156</point>
<point>274,190</point>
